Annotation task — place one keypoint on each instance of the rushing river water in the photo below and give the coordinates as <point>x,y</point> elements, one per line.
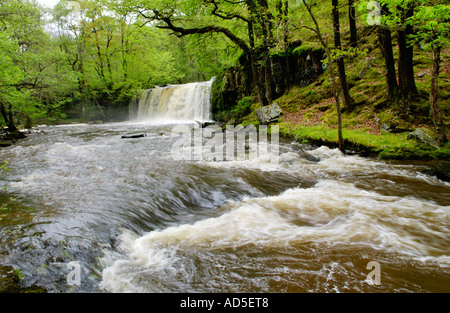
<point>136,220</point>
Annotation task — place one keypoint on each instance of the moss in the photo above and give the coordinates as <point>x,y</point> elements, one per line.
<point>10,282</point>
<point>308,48</point>
<point>384,146</point>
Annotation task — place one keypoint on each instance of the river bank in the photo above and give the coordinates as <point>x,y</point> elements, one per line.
<point>385,145</point>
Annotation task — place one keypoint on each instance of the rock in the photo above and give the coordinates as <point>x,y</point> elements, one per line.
<point>364,71</point>
<point>133,136</point>
<point>424,136</point>
<point>5,144</point>
<point>441,171</point>
<point>421,74</point>
<point>393,127</point>
<point>205,124</point>
<point>14,135</point>
<point>10,282</point>
<point>269,114</point>
<point>9,279</point>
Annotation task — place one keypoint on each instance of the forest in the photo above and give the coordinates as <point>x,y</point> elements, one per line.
<point>384,61</point>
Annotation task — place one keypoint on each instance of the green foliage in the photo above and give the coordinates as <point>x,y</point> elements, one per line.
<point>432,24</point>
<point>243,107</point>
<point>85,57</point>
<point>82,57</point>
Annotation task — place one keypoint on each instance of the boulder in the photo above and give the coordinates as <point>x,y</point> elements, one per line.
<point>398,126</point>
<point>269,114</point>
<point>424,136</point>
<point>441,171</point>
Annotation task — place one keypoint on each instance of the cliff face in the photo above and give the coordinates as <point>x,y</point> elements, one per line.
<point>304,67</point>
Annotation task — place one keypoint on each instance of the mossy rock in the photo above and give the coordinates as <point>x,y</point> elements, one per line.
<point>424,136</point>
<point>10,279</point>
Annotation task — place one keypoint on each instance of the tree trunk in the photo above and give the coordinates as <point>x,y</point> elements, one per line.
<point>286,45</point>
<point>124,48</point>
<point>256,79</point>
<point>385,40</point>
<point>283,11</point>
<point>324,43</point>
<point>348,101</point>
<point>252,56</point>
<point>435,110</point>
<point>8,118</point>
<point>352,21</point>
<point>269,78</point>
<point>406,82</point>
<point>267,39</point>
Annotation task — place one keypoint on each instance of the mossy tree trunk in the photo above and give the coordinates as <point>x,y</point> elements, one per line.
<point>349,103</point>
<point>352,22</point>
<point>8,117</point>
<point>385,42</point>
<point>435,110</point>
<point>406,81</point>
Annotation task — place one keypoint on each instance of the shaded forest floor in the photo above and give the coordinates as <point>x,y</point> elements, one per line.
<point>375,127</point>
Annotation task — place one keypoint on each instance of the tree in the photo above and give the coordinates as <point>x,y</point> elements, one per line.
<point>111,55</point>
<point>432,28</point>
<point>396,16</point>
<point>26,64</point>
<point>385,42</point>
<point>227,18</point>
<point>330,61</point>
<point>347,99</point>
<point>352,23</point>
<point>406,81</point>
<point>283,13</point>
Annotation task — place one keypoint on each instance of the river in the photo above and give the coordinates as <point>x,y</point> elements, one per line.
<point>133,219</point>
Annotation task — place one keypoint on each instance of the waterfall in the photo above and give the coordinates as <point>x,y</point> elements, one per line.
<point>187,102</point>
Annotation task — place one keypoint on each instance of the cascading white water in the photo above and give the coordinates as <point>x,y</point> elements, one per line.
<point>176,103</point>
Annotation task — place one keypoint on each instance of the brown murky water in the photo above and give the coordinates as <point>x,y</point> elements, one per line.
<point>136,220</point>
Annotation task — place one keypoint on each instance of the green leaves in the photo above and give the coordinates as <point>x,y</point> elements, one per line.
<point>432,24</point>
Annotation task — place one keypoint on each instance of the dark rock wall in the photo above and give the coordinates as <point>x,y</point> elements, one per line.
<point>305,66</point>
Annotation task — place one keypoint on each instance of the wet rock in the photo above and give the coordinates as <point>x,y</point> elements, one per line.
<point>441,171</point>
<point>205,124</point>
<point>13,136</point>
<point>133,136</point>
<point>5,144</point>
<point>309,157</point>
<point>424,136</point>
<point>269,114</point>
<point>10,282</point>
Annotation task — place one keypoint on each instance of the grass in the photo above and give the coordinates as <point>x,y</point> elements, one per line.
<point>384,146</point>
